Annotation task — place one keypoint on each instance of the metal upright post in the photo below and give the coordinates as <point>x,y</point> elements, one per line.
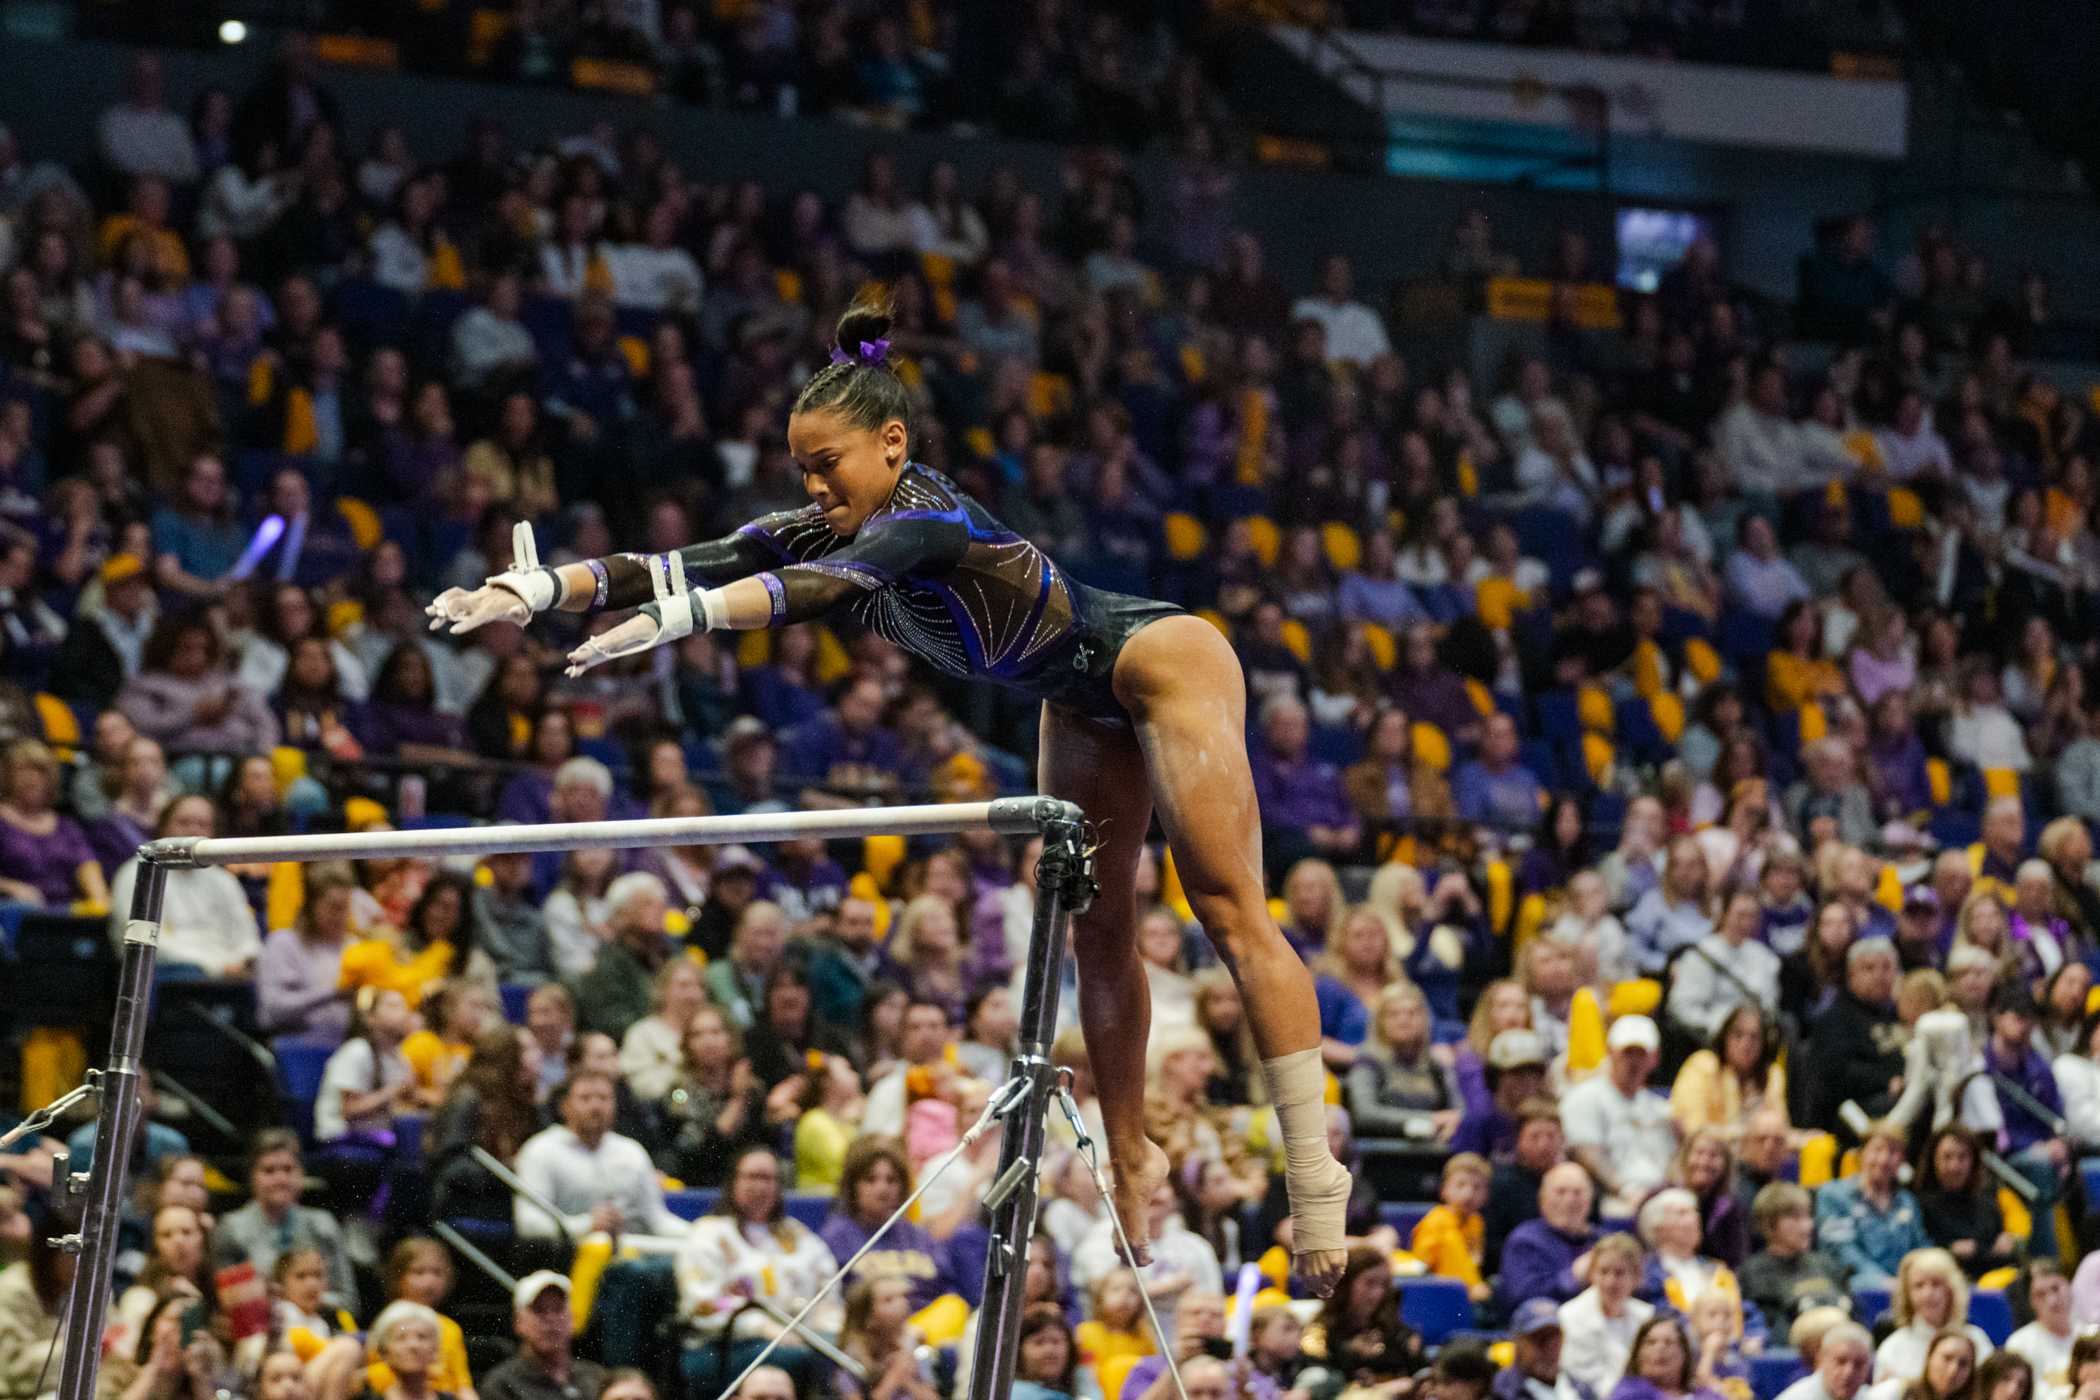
<point>1064,887</point>
<point>117,1126</point>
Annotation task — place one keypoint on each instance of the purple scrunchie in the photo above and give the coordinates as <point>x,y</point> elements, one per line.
<point>872,352</point>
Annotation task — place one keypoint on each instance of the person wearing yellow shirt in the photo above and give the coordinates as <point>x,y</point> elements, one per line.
<point>1450,1238</point>
<point>1794,673</point>
<point>454,1012</point>
<point>1116,1327</point>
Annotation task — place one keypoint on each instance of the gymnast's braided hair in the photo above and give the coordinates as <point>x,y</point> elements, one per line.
<point>858,384</point>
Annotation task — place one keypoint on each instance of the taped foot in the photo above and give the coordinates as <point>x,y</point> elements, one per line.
<point>1319,1221</point>
<point>1134,1186</point>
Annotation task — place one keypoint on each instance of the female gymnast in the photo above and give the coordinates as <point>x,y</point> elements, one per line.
<point>1131,689</point>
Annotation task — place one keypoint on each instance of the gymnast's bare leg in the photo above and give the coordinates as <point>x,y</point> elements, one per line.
<point>1182,686</point>
<point>1103,770</point>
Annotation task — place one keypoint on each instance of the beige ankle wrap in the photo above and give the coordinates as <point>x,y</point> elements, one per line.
<point>1318,1185</point>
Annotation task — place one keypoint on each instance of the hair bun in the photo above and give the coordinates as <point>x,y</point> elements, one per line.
<point>865,325</point>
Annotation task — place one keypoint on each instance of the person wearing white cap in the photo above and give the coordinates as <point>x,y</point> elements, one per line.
<point>545,1366</point>
<point>1618,1128</point>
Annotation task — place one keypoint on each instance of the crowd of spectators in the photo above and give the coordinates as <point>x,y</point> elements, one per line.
<point>1679,764</point>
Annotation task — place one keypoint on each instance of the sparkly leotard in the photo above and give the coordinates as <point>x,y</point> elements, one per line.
<point>933,572</point>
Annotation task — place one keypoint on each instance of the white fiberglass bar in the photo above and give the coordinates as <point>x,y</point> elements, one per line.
<point>1010,816</point>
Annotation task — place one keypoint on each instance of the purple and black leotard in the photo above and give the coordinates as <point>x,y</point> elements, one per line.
<point>935,573</point>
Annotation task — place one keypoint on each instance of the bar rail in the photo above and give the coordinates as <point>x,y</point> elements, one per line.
<point>1061,824</point>
<point>1009,816</point>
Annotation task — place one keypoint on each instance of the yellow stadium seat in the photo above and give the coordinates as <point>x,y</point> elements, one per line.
<point>2001,782</point>
<point>284,893</point>
<point>1598,755</point>
<point>1940,778</point>
<point>1501,895</point>
<point>1049,395</point>
<point>1468,475</point>
<point>980,441</point>
<point>754,648</point>
<point>1483,699</point>
<point>344,615</point>
<point>1818,1161</point>
<point>1814,723</point>
<point>939,269</point>
<point>1265,537</point>
<point>61,726</point>
<point>1193,365</point>
<point>1385,648</point>
<point>1638,997</point>
<point>1297,639</point>
<point>2019,1219</point>
<point>1432,746</point>
<point>362,520</point>
<point>1906,511</point>
<point>1702,660</point>
<point>1171,893</point>
<point>1593,709</point>
<point>1497,600</point>
<point>594,1255</point>
<point>787,283</point>
<point>832,662</point>
<point>53,1062</point>
<point>287,765</point>
<point>1667,710</point>
<point>1531,917</point>
<point>1648,668</point>
<point>882,854</point>
<point>1889,889</point>
<point>1341,544</point>
<point>635,351</point>
<point>1585,1033</point>
<point>942,1320</point>
<point>1217,620</point>
<point>1186,537</point>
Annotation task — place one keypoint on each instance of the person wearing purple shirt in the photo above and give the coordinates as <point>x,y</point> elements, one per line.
<point>402,719</point>
<point>44,857</point>
<point>1495,789</point>
<point>2028,1101</point>
<point>847,749</point>
<point>1303,811</point>
<point>1539,1259</point>
<point>1896,760</point>
<point>1430,690</point>
<point>872,1183</point>
<point>803,881</point>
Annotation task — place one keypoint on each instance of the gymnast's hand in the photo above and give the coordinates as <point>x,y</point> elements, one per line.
<point>465,609</point>
<point>637,634</point>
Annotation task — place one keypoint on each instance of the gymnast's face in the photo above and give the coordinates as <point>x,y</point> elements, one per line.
<point>848,470</point>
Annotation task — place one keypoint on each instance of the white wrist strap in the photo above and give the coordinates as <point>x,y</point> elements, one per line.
<point>540,588</point>
<point>714,611</point>
<point>673,599</point>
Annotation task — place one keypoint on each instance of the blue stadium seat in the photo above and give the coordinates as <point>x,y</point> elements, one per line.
<point>1991,1310</point>
<point>809,1207</point>
<point>691,1203</point>
<point>1436,1308</point>
<point>11,916</point>
<point>514,995</point>
<point>2089,1173</point>
<point>1745,638</point>
<point>300,1061</point>
<point>1403,1216</point>
<point>1557,716</point>
<point>1774,1371</point>
<point>1868,1304</point>
<point>369,311</point>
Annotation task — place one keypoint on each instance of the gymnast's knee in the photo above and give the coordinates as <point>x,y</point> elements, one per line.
<point>1234,924</point>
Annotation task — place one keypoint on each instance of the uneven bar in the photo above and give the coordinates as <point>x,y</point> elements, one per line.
<point>1009,816</point>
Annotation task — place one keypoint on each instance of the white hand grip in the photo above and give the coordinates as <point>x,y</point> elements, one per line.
<point>524,553</point>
